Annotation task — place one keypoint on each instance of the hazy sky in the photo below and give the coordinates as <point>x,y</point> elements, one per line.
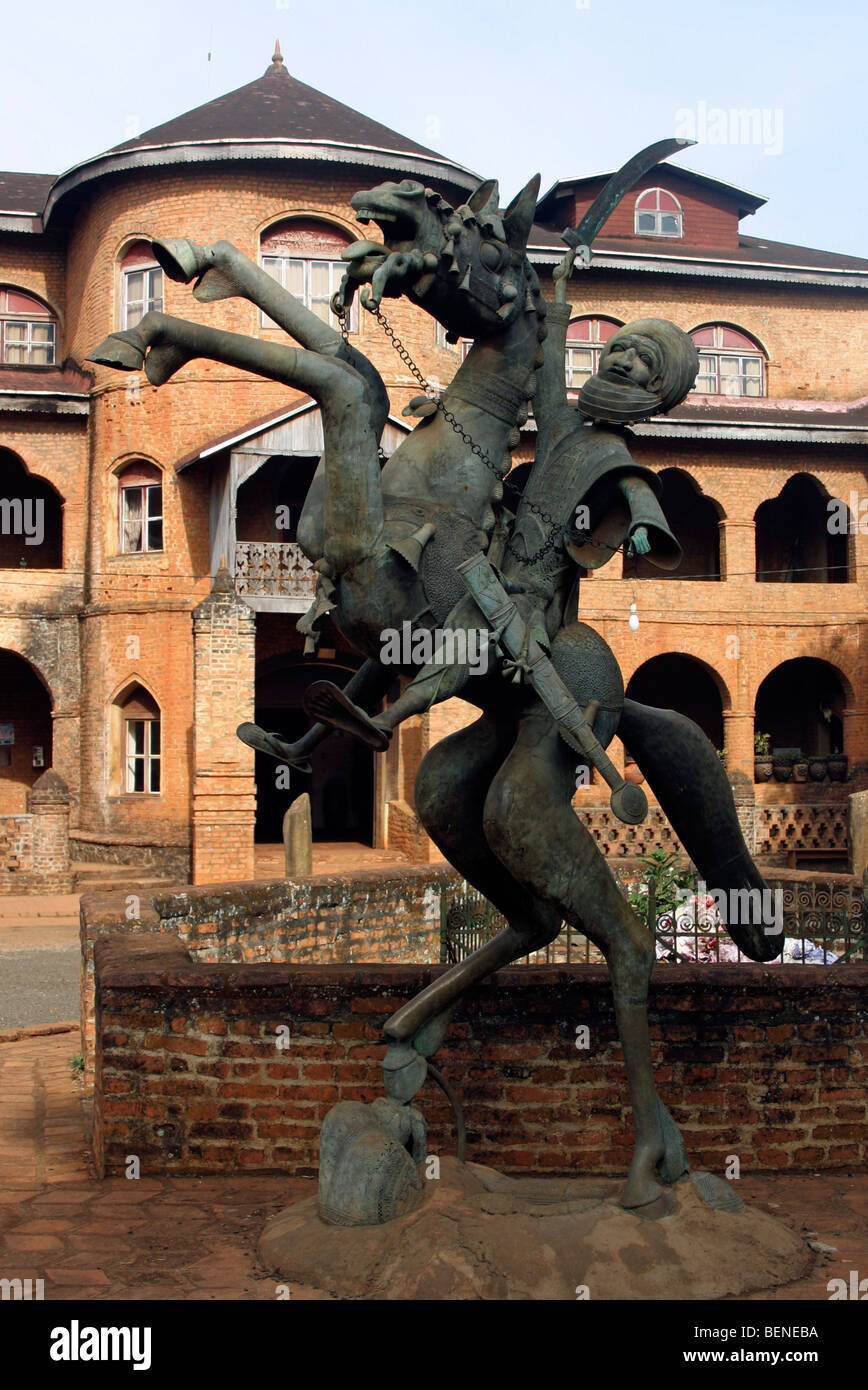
<point>506,87</point>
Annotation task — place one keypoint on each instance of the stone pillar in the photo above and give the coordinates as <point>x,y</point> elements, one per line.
<point>48,803</point>
<point>224,791</point>
<point>857,832</point>
<point>298,838</point>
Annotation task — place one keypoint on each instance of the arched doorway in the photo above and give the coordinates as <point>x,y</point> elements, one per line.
<point>682,683</point>
<point>25,731</point>
<point>800,704</point>
<point>341,783</point>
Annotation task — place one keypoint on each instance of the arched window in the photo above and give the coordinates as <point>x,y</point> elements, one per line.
<point>141,284</point>
<point>730,363</point>
<point>658,213</point>
<point>140,508</point>
<point>794,542</point>
<point>28,331</point>
<point>303,255</point>
<point>586,338</point>
<point>685,684</point>
<point>140,742</point>
<point>693,519</point>
<point>31,518</point>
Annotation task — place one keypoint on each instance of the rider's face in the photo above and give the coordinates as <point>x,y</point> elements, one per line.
<point>631,360</point>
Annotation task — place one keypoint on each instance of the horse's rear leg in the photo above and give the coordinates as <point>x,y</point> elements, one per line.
<point>531,825</point>
<point>451,788</point>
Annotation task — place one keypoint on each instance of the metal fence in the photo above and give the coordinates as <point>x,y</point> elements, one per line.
<point>822,923</point>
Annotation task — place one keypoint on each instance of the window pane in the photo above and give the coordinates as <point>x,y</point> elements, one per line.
<point>155,775</point>
<point>132,518</point>
<point>155,502</point>
<point>16,332</point>
<point>646,222</point>
<point>42,332</point>
<point>155,535</point>
<point>295,278</point>
<point>320,279</point>
<point>154,727</point>
<point>135,737</point>
<point>669,224</point>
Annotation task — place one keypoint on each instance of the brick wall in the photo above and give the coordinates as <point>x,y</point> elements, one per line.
<point>766,1063</point>
<point>391,915</point>
<point>34,847</point>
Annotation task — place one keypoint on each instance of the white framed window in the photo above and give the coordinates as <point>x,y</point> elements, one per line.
<point>303,256</point>
<point>142,754</point>
<point>658,213</point>
<point>141,285</point>
<point>730,363</point>
<point>140,509</point>
<point>586,339</point>
<point>28,331</point>
<point>313,282</point>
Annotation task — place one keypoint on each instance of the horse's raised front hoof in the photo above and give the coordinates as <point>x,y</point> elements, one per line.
<point>181,258</point>
<point>123,351</point>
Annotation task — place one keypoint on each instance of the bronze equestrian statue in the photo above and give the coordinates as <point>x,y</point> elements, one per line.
<point>427,540</point>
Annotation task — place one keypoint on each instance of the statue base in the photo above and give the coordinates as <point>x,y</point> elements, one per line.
<point>479,1235</point>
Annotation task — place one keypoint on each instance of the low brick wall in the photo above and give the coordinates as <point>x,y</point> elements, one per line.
<point>767,1063</point>
<point>385,915</point>
<point>34,846</point>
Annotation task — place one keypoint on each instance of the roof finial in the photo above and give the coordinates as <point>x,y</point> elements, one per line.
<point>276,65</point>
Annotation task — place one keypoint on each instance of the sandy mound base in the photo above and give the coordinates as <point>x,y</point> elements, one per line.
<point>477,1234</point>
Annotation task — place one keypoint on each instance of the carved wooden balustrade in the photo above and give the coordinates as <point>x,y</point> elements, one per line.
<point>276,568</point>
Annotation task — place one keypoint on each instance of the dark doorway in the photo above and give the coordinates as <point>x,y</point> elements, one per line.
<point>683,684</point>
<point>25,731</point>
<point>341,784</point>
<point>269,503</point>
<point>800,704</point>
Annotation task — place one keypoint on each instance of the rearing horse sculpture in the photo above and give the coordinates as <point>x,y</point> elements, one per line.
<point>394,545</point>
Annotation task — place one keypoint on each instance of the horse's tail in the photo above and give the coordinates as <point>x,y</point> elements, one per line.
<point>687,777</point>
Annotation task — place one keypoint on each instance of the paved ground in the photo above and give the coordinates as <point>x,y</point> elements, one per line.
<point>39,942</point>
<point>195,1238</point>
<point>39,986</point>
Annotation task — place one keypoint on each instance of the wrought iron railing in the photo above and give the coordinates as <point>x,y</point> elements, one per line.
<point>822,923</point>
<point>277,569</point>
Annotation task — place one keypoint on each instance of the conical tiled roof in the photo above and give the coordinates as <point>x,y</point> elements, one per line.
<point>275,117</point>
<point>277,107</point>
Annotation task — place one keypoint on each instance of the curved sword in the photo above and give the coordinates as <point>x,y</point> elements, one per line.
<point>581,238</point>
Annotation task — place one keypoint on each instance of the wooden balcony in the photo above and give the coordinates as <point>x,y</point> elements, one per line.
<point>274,576</point>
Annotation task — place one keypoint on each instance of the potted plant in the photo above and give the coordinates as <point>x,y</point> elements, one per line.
<point>762,763</point>
<point>817,768</point>
<point>782,763</point>
<point>800,767</point>
<point>837,765</point>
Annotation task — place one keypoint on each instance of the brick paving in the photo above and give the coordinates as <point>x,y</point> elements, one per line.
<point>195,1238</point>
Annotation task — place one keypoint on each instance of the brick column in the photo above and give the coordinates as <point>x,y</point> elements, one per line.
<point>737,550</point>
<point>224,791</point>
<point>738,742</point>
<point>48,803</point>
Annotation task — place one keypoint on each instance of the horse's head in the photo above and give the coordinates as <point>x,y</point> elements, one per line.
<point>466,266</point>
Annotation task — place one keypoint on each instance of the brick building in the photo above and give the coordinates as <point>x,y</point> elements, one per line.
<point>128,652</point>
